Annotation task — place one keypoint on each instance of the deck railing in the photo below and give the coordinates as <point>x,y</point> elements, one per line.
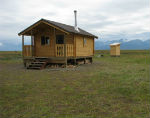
<point>60,50</point>
<point>69,50</point>
<point>27,51</point>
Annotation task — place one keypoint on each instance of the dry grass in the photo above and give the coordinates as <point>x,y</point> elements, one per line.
<point>110,87</point>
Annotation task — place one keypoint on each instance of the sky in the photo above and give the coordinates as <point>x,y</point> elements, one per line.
<point>104,18</point>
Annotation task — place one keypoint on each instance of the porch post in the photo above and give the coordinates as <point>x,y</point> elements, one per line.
<point>23,46</point>
<point>65,56</point>
<point>54,43</point>
<point>32,44</point>
<point>24,62</point>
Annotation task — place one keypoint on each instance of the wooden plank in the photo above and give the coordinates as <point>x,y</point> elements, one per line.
<point>74,45</point>
<point>54,42</point>
<point>56,27</point>
<point>82,50</point>
<point>44,50</point>
<point>60,50</point>
<point>65,50</point>
<point>27,51</point>
<point>39,22</point>
<point>57,61</point>
<point>23,46</point>
<point>29,28</point>
<point>32,45</point>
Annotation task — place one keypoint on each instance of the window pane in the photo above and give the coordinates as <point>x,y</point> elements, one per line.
<point>47,40</point>
<point>84,41</point>
<point>42,40</point>
<point>59,39</point>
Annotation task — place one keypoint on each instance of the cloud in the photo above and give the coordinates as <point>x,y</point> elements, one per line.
<point>100,17</point>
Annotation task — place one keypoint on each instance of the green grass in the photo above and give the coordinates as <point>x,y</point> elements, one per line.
<point>109,88</point>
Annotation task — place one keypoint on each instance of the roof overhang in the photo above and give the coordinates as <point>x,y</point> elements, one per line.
<point>39,22</point>
<point>115,44</point>
<point>30,30</point>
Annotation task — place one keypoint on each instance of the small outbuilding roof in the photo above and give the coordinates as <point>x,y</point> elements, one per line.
<point>114,44</point>
<point>64,27</point>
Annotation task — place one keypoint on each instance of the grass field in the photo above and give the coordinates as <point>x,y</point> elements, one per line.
<point>109,88</point>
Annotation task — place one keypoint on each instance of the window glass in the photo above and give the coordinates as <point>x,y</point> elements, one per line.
<point>45,40</point>
<point>42,40</point>
<point>59,39</point>
<point>84,41</point>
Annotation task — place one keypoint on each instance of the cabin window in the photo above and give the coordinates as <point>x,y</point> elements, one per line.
<point>84,41</point>
<point>45,40</point>
<point>59,39</point>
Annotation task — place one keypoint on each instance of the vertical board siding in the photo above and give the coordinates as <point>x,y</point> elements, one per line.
<point>51,50</point>
<point>115,50</point>
<point>45,50</point>
<point>27,50</point>
<point>74,44</point>
<point>84,50</point>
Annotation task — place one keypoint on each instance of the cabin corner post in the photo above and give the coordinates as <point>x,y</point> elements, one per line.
<point>54,42</point>
<point>22,46</point>
<point>74,48</point>
<point>32,44</point>
<point>23,51</point>
<point>65,55</point>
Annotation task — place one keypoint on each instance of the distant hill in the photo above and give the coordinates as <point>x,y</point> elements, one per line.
<point>136,44</point>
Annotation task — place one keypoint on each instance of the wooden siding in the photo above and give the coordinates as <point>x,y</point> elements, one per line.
<point>74,43</point>
<point>115,50</point>
<point>27,51</point>
<point>49,50</point>
<point>69,37</point>
<point>44,50</point>
<point>84,50</point>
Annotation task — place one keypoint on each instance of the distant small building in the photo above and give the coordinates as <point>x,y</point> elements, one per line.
<point>115,49</point>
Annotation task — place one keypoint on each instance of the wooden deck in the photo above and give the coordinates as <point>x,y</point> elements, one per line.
<point>59,50</point>
<point>63,55</point>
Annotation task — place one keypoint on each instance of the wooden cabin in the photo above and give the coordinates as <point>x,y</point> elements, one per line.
<point>115,49</point>
<point>53,42</point>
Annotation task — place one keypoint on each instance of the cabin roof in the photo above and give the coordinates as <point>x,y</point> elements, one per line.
<point>64,27</point>
<point>114,44</point>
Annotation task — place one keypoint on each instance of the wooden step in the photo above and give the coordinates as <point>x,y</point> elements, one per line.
<point>41,57</point>
<point>37,65</point>
<point>37,62</point>
<point>38,68</point>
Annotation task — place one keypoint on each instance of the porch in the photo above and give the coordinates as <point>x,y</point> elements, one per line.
<point>60,50</point>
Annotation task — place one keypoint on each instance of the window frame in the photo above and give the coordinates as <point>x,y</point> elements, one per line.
<point>45,40</point>
<point>63,38</point>
<point>84,41</point>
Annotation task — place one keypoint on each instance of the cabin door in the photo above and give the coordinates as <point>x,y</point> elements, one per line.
<point>59,39</point>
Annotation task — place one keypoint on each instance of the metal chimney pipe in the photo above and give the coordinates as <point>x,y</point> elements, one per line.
<point>75,16</point>
<point>75,25</point>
